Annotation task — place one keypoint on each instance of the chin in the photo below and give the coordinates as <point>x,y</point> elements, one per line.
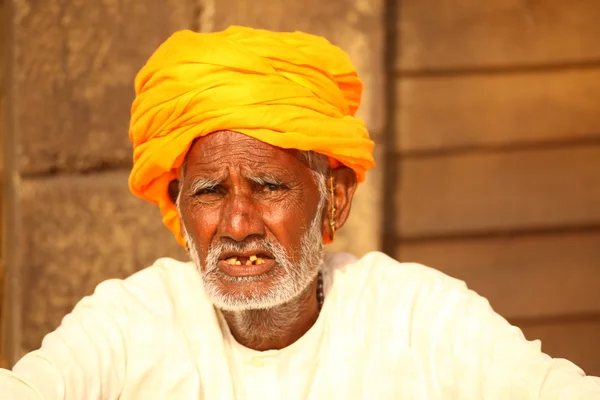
<point>241,293</point>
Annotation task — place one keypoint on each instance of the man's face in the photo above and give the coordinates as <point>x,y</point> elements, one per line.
<point>253,218</point>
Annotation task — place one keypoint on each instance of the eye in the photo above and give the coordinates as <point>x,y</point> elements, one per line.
<point>273,186</point>
<point>207,190</point>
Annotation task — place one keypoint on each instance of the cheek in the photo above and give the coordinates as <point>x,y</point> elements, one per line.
<point>201,223</point>
<point>288,221</point>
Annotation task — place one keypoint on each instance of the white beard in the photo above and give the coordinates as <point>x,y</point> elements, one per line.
<point>284,288</point>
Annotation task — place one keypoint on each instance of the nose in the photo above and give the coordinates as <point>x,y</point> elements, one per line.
<point>240,218</point>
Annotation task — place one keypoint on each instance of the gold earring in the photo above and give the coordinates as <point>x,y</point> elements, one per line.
<point>332,215</point>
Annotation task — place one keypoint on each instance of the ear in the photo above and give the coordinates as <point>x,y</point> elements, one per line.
<point>173,190</point>
<point>344,187</point>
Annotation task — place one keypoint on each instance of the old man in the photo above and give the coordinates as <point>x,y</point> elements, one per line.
<point>247,142</point>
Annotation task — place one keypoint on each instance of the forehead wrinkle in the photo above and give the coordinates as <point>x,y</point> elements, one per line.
<point>237,157</point>
<point>262,171</point>
<point>232,159</point>
<point>237,147</point>
<point>252,170</point>
<point>211,149</point>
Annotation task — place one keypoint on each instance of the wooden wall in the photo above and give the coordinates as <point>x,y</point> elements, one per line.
<point>3,284</point>
<point>498,153</point>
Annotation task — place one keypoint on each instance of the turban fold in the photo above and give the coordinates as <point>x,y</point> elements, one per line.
<point>290,90</point>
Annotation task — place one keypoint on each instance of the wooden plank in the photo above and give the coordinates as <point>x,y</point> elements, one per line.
<point>3,316</point>
<point>439,113</point>
<point>473,33</point>
<point>522,276</point>
<point>575,341</point>
<point>3,358</point>
<point>498,192</point>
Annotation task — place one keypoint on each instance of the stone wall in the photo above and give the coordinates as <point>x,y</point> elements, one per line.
<point>74,222</point>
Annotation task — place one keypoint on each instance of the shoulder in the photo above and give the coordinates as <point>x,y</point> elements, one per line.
<point>383,272</point>
<point>379,282</point>
<point>152,288</point>
<point>162,273</point>
<point>409,299</point>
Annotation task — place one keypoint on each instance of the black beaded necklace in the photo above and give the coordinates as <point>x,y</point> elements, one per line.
<point>320,293</point>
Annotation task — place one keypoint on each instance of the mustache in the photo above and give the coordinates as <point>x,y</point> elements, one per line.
<point>256,245</point>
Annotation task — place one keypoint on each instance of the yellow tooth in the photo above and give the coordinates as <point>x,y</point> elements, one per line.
<point>260,261</point>
<point>253,258</point>
<point>248,262</point>
<point>232,260</point>
<point>238,263</point>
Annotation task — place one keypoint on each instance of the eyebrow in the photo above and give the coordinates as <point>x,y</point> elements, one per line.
<point>260,178</point>
<point>264,179</point>
<point>199,184</point>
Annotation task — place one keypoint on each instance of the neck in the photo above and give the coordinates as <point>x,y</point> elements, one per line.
<point>277,327</point>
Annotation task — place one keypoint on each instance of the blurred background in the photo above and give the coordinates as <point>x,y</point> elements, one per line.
<point>486,116</point>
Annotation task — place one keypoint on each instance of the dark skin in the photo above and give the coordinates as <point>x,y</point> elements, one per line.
<point>234,207</point>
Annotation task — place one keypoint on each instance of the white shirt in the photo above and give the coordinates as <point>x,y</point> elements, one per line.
<point>386,331</point>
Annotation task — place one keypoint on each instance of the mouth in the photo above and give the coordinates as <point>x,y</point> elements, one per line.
<point>244,264</point>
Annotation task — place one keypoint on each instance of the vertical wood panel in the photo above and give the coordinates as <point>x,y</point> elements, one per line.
<point>3,301</point>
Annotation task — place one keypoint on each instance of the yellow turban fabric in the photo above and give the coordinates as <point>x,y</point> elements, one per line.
<point>291,90</point>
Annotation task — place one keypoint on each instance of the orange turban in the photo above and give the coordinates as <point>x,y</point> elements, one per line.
<point>291,90</point>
